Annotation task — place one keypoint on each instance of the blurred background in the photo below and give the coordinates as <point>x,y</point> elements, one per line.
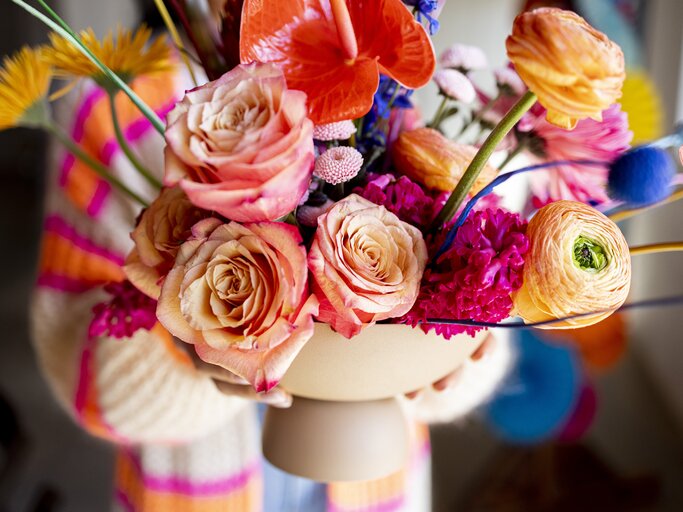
<point>612,442</point>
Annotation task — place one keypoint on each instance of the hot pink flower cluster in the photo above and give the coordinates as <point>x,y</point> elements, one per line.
<point>403,197</point>
<point>474,278</point>
<point>128,311</point>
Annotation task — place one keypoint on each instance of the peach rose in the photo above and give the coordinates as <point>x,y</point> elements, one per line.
<point>239,293</point>
<point>575,70</point>
<point>162,228</point>
<point>426,156</point>
<point>366,265</point>
<point>242,145</point>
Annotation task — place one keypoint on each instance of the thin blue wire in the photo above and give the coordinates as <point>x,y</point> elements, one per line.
<point>650,303</point>
<point>502,179</point>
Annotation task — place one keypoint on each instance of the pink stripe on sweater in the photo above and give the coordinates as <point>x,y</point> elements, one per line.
<point>56,224</point>
<point>64,284</point>
<point>198,489</point>
<point>84,378</point>
<point>99,198</point>
<point>78,130</point>
<point>133,133</point>
<point>122,499</point>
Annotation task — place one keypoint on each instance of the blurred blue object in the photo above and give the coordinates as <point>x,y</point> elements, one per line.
<point>539,394</point>
<point>642,176</point>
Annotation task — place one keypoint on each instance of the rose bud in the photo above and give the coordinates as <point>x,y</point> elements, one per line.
<point>429,158</point>
<point>162,228</point>
<point>575,70</point>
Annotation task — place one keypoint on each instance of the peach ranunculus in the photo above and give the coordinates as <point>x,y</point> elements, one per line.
<point>242,145</point>
<point>239,293</point>
<point>366,265</point>
<point>578,262</point>
<point>429,158</point>
<point>162,228</point>
<point>574,69</point>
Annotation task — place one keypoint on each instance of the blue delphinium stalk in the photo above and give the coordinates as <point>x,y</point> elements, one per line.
<point>372,131</point>
<point>423,10</point>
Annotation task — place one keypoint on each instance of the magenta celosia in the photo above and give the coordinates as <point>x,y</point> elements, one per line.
<point>474,278</point>
<point>404,198</point>
<point>128,311</point>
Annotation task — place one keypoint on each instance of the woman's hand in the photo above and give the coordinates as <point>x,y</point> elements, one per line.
<point>452,378</point>
<point>233,385</point>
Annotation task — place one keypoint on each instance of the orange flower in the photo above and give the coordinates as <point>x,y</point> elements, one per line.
<point>429,158</point>
<point>334,50</point>
<point>578,263</point>
<point>575,70</point>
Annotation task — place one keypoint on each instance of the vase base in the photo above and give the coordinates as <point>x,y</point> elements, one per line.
<point>337,441</point>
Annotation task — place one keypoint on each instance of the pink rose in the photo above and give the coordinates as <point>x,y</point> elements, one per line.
<point>242,145</point>
<point>239,293</point>
<point>162,228</point>
<point>366,264</point>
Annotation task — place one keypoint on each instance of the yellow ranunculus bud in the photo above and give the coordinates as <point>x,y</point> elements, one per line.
<point>574,69</point>
<point>429,158</point>
<point>578,262</point>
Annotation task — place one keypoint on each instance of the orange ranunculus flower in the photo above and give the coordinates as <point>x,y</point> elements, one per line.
<point>429,158</point>
<point>239,294</point>
<point>574,69</point>
<point>578,262</point>
<point>334,50</point>
<point>162,228</point>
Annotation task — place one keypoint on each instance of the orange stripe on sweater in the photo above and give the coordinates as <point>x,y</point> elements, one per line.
<point>129,483</point>
<point>62,257</point>
<point>82,182</point>
<point>99,128</point>
<point>357,495</point>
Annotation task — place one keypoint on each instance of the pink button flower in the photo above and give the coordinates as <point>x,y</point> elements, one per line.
<point>455,85</point>
<point>338,165</point>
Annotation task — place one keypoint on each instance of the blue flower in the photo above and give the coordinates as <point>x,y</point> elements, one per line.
<point>423,9</point>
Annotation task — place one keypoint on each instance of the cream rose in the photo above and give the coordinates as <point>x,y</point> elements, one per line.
<point>162,228</point>
<point>239,293</point>
<point>242,145</point>
<point>366,265</point>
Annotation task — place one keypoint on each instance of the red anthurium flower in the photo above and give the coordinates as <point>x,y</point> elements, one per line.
<point>334,50</point>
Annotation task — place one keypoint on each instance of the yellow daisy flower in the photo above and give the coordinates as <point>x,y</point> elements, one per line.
<point>128,54</point>
<point>24,83</point>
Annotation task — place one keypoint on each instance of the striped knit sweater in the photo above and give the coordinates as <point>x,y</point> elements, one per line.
<point>184,446</point>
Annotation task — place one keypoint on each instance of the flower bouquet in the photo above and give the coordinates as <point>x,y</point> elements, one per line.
<point>310,232</point>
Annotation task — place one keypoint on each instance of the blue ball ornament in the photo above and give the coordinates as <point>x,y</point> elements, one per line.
<point>642,176</point>
<point>539,395</point>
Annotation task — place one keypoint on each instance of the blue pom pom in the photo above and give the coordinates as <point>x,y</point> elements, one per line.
<point>539,395</point>
<point>642,176</point>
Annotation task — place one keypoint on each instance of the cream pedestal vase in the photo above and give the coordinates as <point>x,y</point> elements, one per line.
<point>345,422</point>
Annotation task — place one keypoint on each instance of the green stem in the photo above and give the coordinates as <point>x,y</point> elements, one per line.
<point>67,33</point>
<point>120,137</point>
<point>96,166</point>
<point>511,155</point>
<point>479,161</point>
<point>436,121</point>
